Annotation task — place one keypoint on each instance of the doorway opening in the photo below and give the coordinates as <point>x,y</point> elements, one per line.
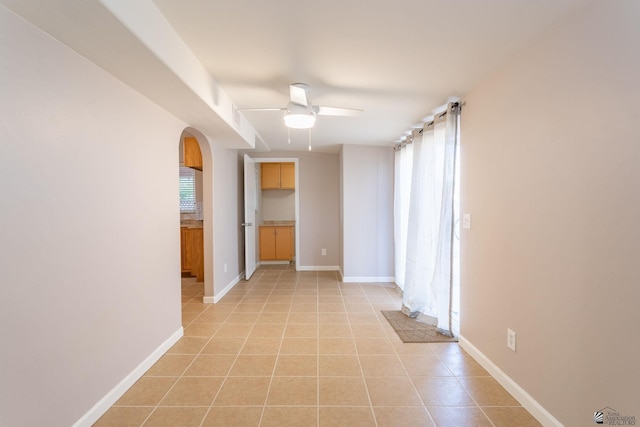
<point>196,214</point>
<point>272,220</point>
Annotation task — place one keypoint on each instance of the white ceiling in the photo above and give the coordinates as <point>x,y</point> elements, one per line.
<point>397,60</point>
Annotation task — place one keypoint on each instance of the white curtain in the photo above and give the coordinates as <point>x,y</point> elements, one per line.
<point>401,193</point>
<point>428,276</point>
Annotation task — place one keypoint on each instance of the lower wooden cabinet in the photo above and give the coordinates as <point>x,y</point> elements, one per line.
<point>192,252</point>
<point>276,243</point>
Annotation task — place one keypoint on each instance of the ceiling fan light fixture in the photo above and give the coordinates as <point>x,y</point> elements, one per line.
<point>299,121</point>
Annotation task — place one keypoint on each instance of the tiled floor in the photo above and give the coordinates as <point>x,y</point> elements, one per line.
<point>294,348</point>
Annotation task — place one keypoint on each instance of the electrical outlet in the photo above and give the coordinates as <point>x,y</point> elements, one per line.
<point>324,251</point>
<point>225,267</point>
<point>511,339</point>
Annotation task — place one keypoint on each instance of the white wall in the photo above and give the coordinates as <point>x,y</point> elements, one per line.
<point>367,215</point>
<point>228,213</point>
<point>89,243</point>
<point>278,205</point>
<point>550,174</point>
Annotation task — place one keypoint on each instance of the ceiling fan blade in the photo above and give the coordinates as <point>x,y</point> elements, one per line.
<point>298,94</point>
<point>262,109</point>
<point>332,111</point>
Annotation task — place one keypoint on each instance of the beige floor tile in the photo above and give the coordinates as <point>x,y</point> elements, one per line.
<point>301,330</point>
<point>289,391</point>
<point>510,416</point>
<point>336,346</point>
<point>303,318</point>
<point>290,416</point>
<point>170,365</point>
<point>374,346</point>
<point>447,416</point>
<point>333,317</point>
<point>234,330</point>
<point>392,391</point>
<point>442,391</point>
<point>243,391</point>
<point>356,317</point>
<point>242,416</point>
<point>398,416</point>
<point>213,316</point>
<point>334,330</point>
<point>272,318</point>
<point>268,330</point>
<point>189,316</point>
<point>200,329</point>
<point>310,307</point>
<point>193,391</point>
<point>261,346</point>
<point>463,365</point>
<point>335,365</point>
<point>331,308</point>
<point>147,391</point>
<point>277,308</point>
<point>297,365</point>
<point>345,416</point>
<point>357,306</point>
<point>245,307</point>
<point>253,365</point>
<point>382,366</point>
<point>124,416</point>
<point>285,342</point>
<point>176,417</point>
<point>210,365</point>
<point>343,391</point>
<point>188,345</point>
<point>224,346</point>
<point>242,317</point>
<point>299,346</point>
<point>425,365</point>
<point>486,391</point>
<point>368,330</point>
<point>334,298</point>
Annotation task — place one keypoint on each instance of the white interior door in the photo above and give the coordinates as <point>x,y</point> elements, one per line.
<point>249,217</point>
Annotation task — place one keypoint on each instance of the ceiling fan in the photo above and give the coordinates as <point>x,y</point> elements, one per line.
<point>300,113</point>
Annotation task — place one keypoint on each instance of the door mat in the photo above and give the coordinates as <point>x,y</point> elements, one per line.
<point>412,331</point>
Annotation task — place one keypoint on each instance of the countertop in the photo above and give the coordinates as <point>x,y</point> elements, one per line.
<point>287,223</point>
<point>191,223</point>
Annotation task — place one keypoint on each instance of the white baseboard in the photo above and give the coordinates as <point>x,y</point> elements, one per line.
<point>318,268</point>
<point>368,279</point>
<point>214,299</point>
<point>274,263</point>
<point>116,393</point>
<point>525,399</point>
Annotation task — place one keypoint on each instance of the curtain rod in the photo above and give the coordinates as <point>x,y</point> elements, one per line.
<point>409,140</point>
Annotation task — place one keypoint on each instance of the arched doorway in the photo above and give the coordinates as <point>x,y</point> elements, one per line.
<point>199,219</point>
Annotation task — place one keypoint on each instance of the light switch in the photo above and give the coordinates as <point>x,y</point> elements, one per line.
<point>466,221</point>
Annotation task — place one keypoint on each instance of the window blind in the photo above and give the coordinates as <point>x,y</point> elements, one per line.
<point>187,190</point>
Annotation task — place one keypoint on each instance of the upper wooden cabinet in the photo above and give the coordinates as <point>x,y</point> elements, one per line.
<point>191,155</point>
<point>278,176</point>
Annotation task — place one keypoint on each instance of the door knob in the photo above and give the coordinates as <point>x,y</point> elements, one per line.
<point>247,224</point>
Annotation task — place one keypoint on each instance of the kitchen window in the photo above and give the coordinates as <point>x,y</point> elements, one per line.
<point>187,190</point>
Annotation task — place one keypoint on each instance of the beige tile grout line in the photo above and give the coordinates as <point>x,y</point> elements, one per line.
<point>266,397</point>
<point>364,380</point>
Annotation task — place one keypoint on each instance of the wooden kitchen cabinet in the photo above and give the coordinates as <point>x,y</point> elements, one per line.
<point>278,176</point>
<point>185,251</point>
<point>192,252</point>
<point>191,154</point>
<point>276,243</point>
